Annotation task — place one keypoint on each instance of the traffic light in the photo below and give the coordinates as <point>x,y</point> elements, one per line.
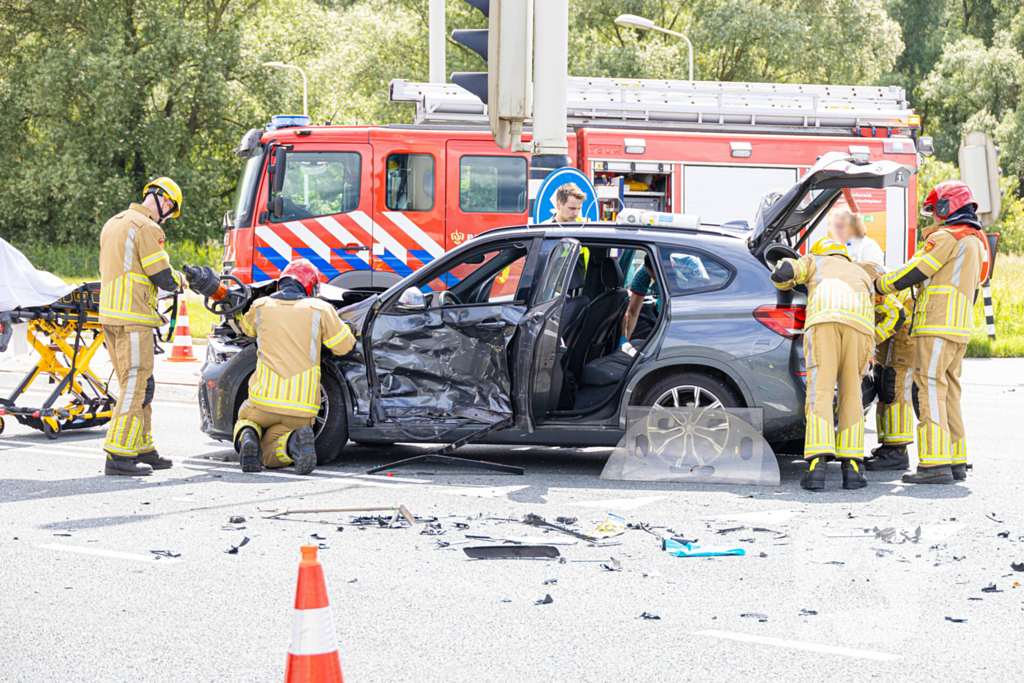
<point>507,47</point>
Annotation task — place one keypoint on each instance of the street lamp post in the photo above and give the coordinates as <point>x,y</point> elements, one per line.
<point>642,24</point>
<point>282,65</point>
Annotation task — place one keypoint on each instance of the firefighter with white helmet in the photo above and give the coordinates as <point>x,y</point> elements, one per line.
<point>134,266</point>
<point>839,338</point>
<point>946,273</point>
<point>274,427</point>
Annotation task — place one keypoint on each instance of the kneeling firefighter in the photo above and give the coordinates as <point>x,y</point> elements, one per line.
<point>275,424</point>
<point>839,338</point>
<point>947,272</point>
<point>134,266</point>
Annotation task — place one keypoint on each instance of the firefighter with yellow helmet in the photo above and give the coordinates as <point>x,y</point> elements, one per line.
<point>839,338</point>
<point>134,266</point>
<point>275,424</point>
<point>946,273</point>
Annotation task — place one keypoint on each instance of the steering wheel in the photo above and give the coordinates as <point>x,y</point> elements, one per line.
<point>235,299</point>
<point>446,298</point>
<point>778,251</point>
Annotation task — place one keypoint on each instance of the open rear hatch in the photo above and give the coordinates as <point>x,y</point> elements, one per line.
<point>788,218</point>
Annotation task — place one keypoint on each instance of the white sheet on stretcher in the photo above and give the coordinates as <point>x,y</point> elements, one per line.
<point>21,285</point>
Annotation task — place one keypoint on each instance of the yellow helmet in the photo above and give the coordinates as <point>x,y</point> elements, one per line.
<point>165,187</point>
<point>829,247</point>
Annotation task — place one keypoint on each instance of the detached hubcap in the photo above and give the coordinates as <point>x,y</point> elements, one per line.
<point>688,396</point>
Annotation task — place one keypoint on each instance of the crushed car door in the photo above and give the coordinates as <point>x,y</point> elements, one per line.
<point>539,348</point>
<point>439,351</point>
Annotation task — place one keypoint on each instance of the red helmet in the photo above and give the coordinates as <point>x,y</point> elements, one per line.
<point>303,272</point>
<point>946,198</point>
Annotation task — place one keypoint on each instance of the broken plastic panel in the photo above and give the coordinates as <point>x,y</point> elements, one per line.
<point>693,445</point>
<point>446,362</point>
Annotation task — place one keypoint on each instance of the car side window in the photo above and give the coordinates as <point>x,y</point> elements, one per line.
<point>410,182</point>
<point>483,277</point>
<point>492,184</point>
<point>320,184</point>
<point>689,272</point>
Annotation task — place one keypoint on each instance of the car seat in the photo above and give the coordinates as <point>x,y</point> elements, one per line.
<point>602,323</point>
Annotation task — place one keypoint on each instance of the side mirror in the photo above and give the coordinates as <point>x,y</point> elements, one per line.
<point>926,146</point>
<point>412,299</point>
<point>280,157</point>
<point>277,206</point>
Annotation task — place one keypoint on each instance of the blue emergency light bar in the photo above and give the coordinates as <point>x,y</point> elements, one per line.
<point>288,121</point>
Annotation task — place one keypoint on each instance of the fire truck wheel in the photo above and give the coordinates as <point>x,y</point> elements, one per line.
<point>331,425</point>
<point>49,430</point>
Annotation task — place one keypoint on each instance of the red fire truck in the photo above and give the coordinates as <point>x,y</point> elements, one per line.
<point>368,205</point>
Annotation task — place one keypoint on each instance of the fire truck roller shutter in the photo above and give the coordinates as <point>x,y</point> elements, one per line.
<point>719,194</point>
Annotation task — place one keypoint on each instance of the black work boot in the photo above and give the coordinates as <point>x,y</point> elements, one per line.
<point>959,471</point>
<point>853,474</point>
<point>814,477</point>
<point>942,474</point>
<point>302,450</point>
<point>249,451</point>
<point>153,459</point>
<point>121,465</point>
<point>888,458</point>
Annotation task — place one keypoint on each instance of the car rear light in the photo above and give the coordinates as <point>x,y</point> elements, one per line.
<point>785,320</point>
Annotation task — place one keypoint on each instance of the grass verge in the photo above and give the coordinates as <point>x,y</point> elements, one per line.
<point>1008,304</point>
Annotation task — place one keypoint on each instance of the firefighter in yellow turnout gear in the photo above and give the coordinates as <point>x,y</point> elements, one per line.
<point>133,267</point>
<point>894,367</point>
<point>839,337</point>
<point>946,272</point>
<point>274,427</point>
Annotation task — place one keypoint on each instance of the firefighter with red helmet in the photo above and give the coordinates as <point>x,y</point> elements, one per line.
<point>946,273</point>
<point>275,423</point>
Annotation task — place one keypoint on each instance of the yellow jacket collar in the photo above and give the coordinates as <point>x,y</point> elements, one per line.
<point>144,211</point>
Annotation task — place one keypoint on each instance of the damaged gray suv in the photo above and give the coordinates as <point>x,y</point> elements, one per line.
<point>514,337</point>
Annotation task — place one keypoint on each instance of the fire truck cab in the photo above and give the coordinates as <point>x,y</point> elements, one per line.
<point>368,205</point>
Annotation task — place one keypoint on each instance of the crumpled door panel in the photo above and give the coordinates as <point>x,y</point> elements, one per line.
<point>446,363</point>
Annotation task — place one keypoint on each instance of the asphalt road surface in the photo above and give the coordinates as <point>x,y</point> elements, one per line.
<point>84,599</point>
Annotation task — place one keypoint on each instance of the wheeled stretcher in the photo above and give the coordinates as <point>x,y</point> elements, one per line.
<point>58,333</point>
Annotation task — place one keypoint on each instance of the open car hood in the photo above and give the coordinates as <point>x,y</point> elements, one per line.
<point>786,215</point>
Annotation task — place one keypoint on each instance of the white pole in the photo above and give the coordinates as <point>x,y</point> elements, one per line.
<point>550,76</point>
<point>282,65</point>
<point>436,41</point>
<point>688,44</point>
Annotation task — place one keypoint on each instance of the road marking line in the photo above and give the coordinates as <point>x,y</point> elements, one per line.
<point>799,645</point>
<point>481,491</point>
<point>764,517</point>
<point>314,474</point>
<point>619,503</point>
<point>109,553</point>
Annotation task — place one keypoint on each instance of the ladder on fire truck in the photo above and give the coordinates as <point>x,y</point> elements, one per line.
<point>695,105</point>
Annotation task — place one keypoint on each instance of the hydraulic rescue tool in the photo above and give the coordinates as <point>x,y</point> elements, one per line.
<point>220,296</point>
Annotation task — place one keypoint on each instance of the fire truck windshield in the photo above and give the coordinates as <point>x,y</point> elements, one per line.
<point>245,194</point>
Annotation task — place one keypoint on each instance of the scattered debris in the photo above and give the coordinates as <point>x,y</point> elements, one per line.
<point>691,550</point>
<point>1017,567</point>
<point>506,600</point>
<point>991,588</point>
<point>233,550</point>
<point>546,600</point>
<point>236,519</point>
<point>497,552</point>
<point>432,530</point>
<point>763,555</point>
<point>956,621</point>
<point>165,553</point>
<point>353,581</point>
<point>975,598</point>
<point>756,615</point>
<point>521,540</point>
<point>613,566</point>
<point>461,525</point>
<point>612,525</point>
<point>538,521</point>
<point>649,616</point>
<point>992,516</point>
<point>318,537</point>
<point>565,520</point>
<point>1003,534</point>
<point>731,528</point>
<point>895,536</point>
<point>551,582</point>
<point>62,534</point>
<point>808,613</point>
<point>397,509</point>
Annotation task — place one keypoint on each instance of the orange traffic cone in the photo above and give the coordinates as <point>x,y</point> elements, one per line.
<point>182,351</point>
<point>313,653</point>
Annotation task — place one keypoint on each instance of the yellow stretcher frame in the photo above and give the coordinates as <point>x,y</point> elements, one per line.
<point>57,332</point>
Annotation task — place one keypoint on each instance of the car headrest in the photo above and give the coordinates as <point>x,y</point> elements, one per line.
<point>611,273</point>
<point>576,281</point>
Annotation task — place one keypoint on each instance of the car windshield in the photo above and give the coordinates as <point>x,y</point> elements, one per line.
<point>247,188</point>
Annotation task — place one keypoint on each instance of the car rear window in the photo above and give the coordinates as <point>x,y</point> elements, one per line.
<point>688,272</point>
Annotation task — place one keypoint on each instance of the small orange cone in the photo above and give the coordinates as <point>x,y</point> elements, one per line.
<point>313,653</point>
<point>182,351</point>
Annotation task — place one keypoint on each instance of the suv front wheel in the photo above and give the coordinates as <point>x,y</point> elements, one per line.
<point>690,390</point>
<point>331,426</point>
